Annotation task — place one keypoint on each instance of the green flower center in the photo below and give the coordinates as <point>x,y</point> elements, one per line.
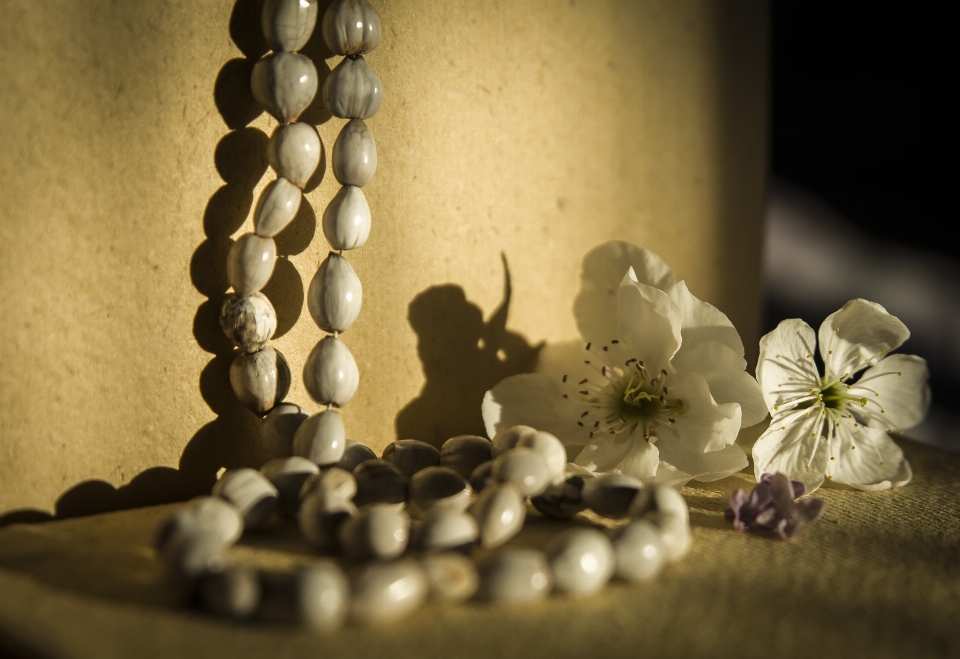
<point>644,401</point>
<point>833,396</point>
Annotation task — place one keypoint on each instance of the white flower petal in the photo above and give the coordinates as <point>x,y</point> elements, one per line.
<point>793,444</point>
<point>898,386</point>
<point>724,372</point>
<point>701,322</point>
<point>858,335</point>
<point>667,474</point>
<point>709,466</point>
<point>786,370</point>
<point>703,425</point>
<point>866,458</point>
<point>595,307</point>
<point>533,400</point>
<point>649,322</point>
<point>633,456</point>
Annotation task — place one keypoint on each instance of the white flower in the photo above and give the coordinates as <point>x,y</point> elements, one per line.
<point>836,426</point>
<point>656,389</point>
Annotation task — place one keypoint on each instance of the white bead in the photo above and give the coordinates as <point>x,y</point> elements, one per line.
<point>610,495</point>
<point>663,500</point>
<point>638,550</point>
<point>524,468</point>
<point>350,27</point>
<point>250,263</point>
<point>385,592</point>
<point>335,295</point>
<point>354,454</point>
<point>203,515</point>
<point>321,438</point>
<point>276,207</point>
<point>378,531</point>
<point>439,488</point>
<point>330,373</point>
<point>188,558</point>
<point>288,24</point>
<point>517,575</point>
<point>284,84</point>
<point>346,221</point>
<point>411,455</point>
<point>445,529</point>
<point>248,321</point>
<point>464,453</point>
<point>379,481</point>
<point>235,592</point>
<point>675,537</point>
<point>582,561</point>
<point>335,483</point>
<point>320,519</point>
<point>499,512</point>
<point>278,428</point>
<point>507,438</point>
<point>452,577</point>
<point>481,476</point>
<point>250,492</point>
<point>550,449</point>
<point>294,151</point>
<point>317,596</point>
<point>288,475</point>
<point>352,90</point>
<point>354,154</point>
<point>260,380</point>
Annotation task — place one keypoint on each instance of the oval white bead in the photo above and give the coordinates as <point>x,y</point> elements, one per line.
<point>250,492</point>
<point>260,380</point>
<point>499,512</point>
<point>464,453</point>
<point>518,575</point>
<point>610,495</point>
<point>284,84</point>
<point>663,500</point>
<point>523,467</point>
<point>385,592</point>
<point>203,515</point>
<point>452,576</point>
<point>321,438</point>
<point>278,428</point>
<point>346,221</point>
<point>411,455</point>
<point>445,529</point>
<point>639,551</point>
<point>294,151</point>
<point>582,561</point>
<point>354,154</point>
<point>379,481</point>
<point>330,373</point>
<point>320,519</point>
<point>250,263</point>
<point>335,295</point>
<point>550,449</point>
<point>288,475</point>
<point>439,488</point>
<point>379,531</point>
<point>276,207</point>
<point>350,27</point>
<point>288,24</point>
<point>507,438</point>
<point>352,90</point>
<point>317,596</point>
<point>248,321</point>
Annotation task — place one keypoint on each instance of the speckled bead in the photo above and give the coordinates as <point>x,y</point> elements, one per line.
<point>330,373</point>
<point>288,475</point>
<point>499,511</point>
<point>379,481</point>
<point>354,154</point>
<point>517,575</point>
<point>386,592</point>
<point>316,596</point>
<point>352,90</point>
<point>284,84</point>
<point>438,488</point>
<point>321,438</point>
<point>250,263</point>
<point>276,207</point>
<point>250,492</point>
<point>248,321</point>
<point>294,151</point>
<point>581,560</point>
<point>452,577</point>
<point>465,453</point>
<point>561,501</point>
<point>335,295</point>
<point>260,380</point>
<point>346,220</point>
<point>350,27</point>
<point>278,428</point>
<point>411,455</point>
<point>288,24</point>
<point>379,531</point>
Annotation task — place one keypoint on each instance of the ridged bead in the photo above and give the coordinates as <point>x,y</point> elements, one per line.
<point>335,295</point>
<point>346,221</point>
<point>284,84</point>
<point>330,373</point>
<point>350,27</point>
<point>288,24</point>
<point>352,90</point>
<point>354,154</point>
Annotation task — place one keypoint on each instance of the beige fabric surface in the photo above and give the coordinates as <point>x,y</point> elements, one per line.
<point>877,577</point>
<point>132,153</point>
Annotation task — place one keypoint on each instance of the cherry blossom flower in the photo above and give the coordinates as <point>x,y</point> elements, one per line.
<point>656,387</point>
<point>836,426</point>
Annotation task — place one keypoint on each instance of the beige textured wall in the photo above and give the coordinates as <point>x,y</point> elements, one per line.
<point>130,154</point>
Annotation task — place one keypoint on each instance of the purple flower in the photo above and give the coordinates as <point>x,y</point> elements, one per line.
<point>772,506</point>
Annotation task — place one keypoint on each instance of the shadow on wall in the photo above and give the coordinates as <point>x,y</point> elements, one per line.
<point>462,358</point>
<point>232,439</point>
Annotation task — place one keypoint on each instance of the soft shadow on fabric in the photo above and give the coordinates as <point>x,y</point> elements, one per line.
<point>232,439</point>
<point>463,356</point>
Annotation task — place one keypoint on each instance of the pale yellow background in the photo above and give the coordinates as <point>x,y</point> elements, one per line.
<point>533,128</point>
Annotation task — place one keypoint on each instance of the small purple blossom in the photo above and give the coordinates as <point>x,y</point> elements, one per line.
<point>772,506</point>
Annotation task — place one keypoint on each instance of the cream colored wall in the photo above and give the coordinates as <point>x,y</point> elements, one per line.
<point>536,128</point>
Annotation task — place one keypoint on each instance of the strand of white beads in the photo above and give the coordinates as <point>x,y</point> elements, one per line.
<point>352,91</point>
<point>284,84</point>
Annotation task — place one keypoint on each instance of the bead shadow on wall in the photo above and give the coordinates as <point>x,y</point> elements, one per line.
<point>462,357</point>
